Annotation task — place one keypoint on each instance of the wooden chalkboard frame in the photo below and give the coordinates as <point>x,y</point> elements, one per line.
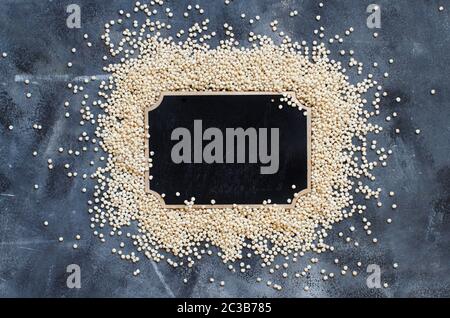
<point>292,95</point>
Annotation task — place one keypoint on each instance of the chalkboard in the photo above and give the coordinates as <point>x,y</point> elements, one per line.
<point>182,125</point>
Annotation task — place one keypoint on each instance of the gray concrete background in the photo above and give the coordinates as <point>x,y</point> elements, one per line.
<point>33,263</point>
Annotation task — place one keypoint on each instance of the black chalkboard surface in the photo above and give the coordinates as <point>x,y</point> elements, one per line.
<point>182,168</point>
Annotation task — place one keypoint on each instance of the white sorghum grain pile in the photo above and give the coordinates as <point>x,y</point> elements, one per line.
<point>339,145</point>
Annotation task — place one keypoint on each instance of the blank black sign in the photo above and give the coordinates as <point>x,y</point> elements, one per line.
<point>227,183</point>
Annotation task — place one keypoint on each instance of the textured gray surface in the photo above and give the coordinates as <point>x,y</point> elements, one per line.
<point>33,263</point>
